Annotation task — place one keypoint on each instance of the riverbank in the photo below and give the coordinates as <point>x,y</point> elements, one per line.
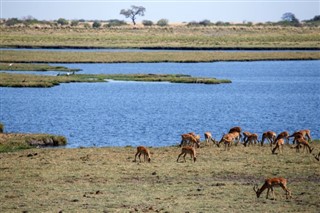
<point>9,56</point>
<point>10,142</point>
<point>106,180</point>
<point>240,37</point>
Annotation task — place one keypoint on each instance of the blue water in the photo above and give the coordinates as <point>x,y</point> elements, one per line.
<point>270,95</point>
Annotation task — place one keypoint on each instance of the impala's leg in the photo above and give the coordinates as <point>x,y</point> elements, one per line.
<point>135,157</point>
<point>179,156</point>
<point>139,157</point>
<point>268,193</point>
<point>184,157</point>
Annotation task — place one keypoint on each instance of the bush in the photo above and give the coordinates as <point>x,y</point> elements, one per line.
<point>12,21</point>
<point>147,23</point>
<point>115,22</point>
<point>62,21</point>
<point>205,22</point>
<point>96,24</point>
<point>163,22</point>
<point>74,23</point>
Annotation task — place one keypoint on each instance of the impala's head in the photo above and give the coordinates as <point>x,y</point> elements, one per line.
<point>149,159</point>
<point>257,190</point>
<point>194,159</point>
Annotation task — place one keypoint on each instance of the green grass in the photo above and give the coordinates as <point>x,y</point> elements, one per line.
<point>23,80</point>
<point>149,57</point>
<point>253,37</point>
<point>11,142</point>
<point>34,67</point>
<point>106,180</point>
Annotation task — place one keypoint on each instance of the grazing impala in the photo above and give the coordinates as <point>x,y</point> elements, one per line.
<point>299,139</point>
<point>284,135</point>
<point>279,145</point>
<point>270,183</point>
<point>188,150</point>
<point>208,137</point>
<point>141,150</point>
<point>270,136</point>
<point>253,138</point>
<point>228,139</point>
<point>305,133</point>
<point>190,138</point>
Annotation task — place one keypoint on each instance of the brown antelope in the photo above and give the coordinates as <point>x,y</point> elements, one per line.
<point>246,135</point>
<point>235,129</point>
<point>188,150</point>
<point>279,145</point>
<point>228,139</point>
<point>141,150</point>
<point>253,138</point>
<point>270,183</point>
<point>299,139</point>
<point>190,138</point>
<point>270,136</point>
<point>208,137</point>
<point>284,135</point>
<point>305,133</point>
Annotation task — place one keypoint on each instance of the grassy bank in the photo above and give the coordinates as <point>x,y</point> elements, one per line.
<point>106,180</point>
<point>34,67</point>
<point>10,142</point>
<point>149,57</point>
<point>24,80</point>
<point>253,37</point>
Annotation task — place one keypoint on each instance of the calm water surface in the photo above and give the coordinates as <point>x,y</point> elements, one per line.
<point>278,96</point>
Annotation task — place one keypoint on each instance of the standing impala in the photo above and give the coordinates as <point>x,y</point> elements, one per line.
<point>141,150</point>
<point>208,137</point>
<point>190,138</point>
<point>305,133</point>
<point>279,145</point>
<point>270,183</point>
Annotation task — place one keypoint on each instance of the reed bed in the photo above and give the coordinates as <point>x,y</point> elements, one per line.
<point>106,180</point>
<point>149,57</point>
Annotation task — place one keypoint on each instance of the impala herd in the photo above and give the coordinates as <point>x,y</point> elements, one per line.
<point>190,141</point>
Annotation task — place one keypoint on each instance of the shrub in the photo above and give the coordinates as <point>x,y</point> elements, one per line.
<point>12,21</point>
<point>115,22</point>
<point>62,21</point>
<point>96,24</point>
<point>74,23</point>
<point>147,23</point>
<point>163,22</point>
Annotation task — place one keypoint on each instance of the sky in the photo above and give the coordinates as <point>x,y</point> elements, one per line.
<point>173,10</point>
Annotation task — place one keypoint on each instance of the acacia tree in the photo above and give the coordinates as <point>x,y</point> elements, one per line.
<point>133,12</point>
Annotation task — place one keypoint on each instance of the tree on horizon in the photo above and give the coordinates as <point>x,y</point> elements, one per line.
<point>133,12</point>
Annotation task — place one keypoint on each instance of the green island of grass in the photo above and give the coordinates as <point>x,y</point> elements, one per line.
<point>25,80</point>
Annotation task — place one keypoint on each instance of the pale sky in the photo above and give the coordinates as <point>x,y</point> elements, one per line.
<point>173,10</point>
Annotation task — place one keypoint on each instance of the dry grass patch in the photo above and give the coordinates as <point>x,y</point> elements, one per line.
<point>106,179</point>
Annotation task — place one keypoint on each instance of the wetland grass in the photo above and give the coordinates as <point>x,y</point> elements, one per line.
<point>150,57</point>
<point>34,67</point>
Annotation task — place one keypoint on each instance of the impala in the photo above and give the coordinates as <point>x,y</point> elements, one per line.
<point>228,139</point>
<point>235,129</point>
<point>305,133</point>
<point>284,135</point>
<point>246,135</point>
<point>253,138</point>
<point>270,136</point>
<point>141,150</point>
<point>188,150</point>
<point>270,183</point>
<point>208,137</point>
<point>190,138</point>
<point>279,145</point>
<point>299,139</point>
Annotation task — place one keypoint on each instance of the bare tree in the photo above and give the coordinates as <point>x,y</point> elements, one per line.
<point>133,12</point>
